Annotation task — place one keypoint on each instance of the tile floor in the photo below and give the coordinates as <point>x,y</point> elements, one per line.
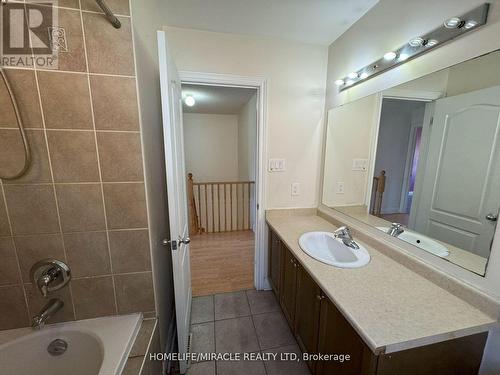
<point>248,321</point>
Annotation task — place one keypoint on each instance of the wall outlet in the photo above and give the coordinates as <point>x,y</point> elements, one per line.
<point>295,189</point>
<point>359,164</point>
<point>340,188</point>
<point>277,165</point>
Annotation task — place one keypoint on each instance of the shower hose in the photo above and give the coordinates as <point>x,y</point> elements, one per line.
<point>27,153</point>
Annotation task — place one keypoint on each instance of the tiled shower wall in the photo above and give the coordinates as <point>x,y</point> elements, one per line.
<point>83,198</point>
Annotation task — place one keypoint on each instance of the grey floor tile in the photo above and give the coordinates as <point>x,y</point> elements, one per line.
<point>262,301</point>
<point>241,368</point>
<point>202,368</point>
<point>203,338</point>
<point>202,309</point>
<point>231,305</point>
<point>235,336</point>
<point>279,367</point>
<point>272,330</point>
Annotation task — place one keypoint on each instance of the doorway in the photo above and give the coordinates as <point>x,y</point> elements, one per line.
<point>220,125</point>
<point>398,152</point>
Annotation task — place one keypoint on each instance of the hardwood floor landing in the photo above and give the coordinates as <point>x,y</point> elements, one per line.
<point>222,262</point>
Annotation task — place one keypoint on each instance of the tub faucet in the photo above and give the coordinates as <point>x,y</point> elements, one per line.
<point>53,306</point>
<point>395,229</point>
<point>344,234</point>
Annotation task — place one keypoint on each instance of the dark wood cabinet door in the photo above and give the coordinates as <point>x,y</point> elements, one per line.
<point>288,285</point>
<point>461,356</point>
<point>307,313</point>
<point>274,260</point>
<point>336,336</point>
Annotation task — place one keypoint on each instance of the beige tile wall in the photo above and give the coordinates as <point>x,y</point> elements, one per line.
<point>83,198</point>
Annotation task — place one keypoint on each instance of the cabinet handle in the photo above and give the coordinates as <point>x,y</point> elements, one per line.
<point>320,297</point>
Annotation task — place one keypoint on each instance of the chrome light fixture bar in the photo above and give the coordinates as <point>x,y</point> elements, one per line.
<point>452,28</point>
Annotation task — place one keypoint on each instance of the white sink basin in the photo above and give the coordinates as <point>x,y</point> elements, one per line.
<point>323,246</point>
<point>421,241</point>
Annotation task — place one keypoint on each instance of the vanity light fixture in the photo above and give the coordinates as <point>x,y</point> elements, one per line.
<point>189,101</point>
<point>450,29</point>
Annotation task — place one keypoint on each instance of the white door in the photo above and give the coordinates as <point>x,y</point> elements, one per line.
<point>171,99</point>
<point>460,194</point>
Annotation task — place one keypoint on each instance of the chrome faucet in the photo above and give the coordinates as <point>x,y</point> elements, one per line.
<point>53,306</point>
<point>395,229</point>
<point>344,234</point>
<point>49,275</point>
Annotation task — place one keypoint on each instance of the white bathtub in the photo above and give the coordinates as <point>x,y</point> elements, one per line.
<point>95,347</point>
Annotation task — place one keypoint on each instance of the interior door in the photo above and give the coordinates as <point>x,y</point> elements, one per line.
<point>171,99</point>
<point>460,194</point>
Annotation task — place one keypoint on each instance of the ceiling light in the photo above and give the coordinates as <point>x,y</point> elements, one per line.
<point>470,24</point>
<point>452,23</point>
<point>349,82</point>
<point>416,42</point>
<point>363,75</point>
<point>403,56</point>
<point>352,75</point>
<point>189,100</point>
<point>389,56</point>
<point>339,82</point>
<point>431,42</point>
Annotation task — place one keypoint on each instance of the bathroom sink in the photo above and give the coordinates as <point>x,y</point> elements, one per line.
<point>323,246</point>
<point>421,241</point>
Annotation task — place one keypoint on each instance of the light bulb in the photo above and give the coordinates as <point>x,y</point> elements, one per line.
<point>349,82</point>
<point>352,75</point>
<point>189,100</point>
<point>363,75</point>
<point>389,56</point>
<point>403,57</point>
<point>470,24</point>
<point>416,42</point>
<point>339,82</point>
<point>452,23</point>
<point>432,43</point>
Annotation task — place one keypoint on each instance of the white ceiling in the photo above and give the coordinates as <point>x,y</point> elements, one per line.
<point>309,21</point>
<point>216,99</point>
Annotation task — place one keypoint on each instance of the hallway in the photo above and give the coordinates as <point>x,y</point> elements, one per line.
<point>222,262</point>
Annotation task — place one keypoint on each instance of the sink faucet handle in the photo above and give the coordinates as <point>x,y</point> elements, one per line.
<point>343,232</point>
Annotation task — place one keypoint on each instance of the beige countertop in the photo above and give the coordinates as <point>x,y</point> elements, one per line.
<point>391,307</point>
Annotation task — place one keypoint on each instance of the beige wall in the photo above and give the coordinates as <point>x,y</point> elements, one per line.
<point>247,140</point>
<point>390,24</point>
<point>83,199</point>
<point>296,82</point>
<point>211,146</point>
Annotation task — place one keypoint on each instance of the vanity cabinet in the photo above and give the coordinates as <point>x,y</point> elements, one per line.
<point>320,327</point>
<point>288,291</point>
<point>307,313</point>
<point>274,262</point>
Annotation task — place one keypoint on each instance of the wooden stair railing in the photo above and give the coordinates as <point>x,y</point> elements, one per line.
<point>193,214</point>
<point>377,194</point>
<point>221,206</point>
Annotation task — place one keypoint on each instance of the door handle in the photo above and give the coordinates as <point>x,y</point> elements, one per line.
<point>185,240</point>
<point>491,217</point>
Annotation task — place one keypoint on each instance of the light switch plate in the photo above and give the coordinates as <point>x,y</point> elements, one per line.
<point>277,165</point>
<point>359,164</point>
<point>295,189</point>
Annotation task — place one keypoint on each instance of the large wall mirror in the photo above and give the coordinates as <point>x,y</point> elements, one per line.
<point>421,161</point>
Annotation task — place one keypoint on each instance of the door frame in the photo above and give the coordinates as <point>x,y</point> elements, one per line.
<point>260,84</point>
